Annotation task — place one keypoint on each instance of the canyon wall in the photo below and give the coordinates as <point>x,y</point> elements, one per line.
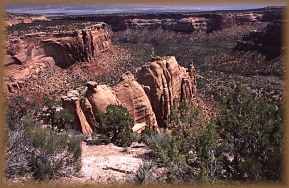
<point>77,46</point>
<point>184,22</point>
<point>65,48</point>
<point>59,48</point>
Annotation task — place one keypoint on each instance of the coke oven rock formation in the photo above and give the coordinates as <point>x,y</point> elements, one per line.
<point>148,97</point>
<point>100,96</point>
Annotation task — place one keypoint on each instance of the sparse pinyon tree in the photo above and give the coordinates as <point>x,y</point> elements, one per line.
<point>115,125</point>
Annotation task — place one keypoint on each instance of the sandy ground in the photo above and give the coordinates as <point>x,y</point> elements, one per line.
<point>108,164</point>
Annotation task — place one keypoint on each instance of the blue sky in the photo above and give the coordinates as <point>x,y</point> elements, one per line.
<point>65,9</point>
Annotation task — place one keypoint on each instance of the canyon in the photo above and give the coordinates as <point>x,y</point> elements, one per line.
<point>267,41</point>
<point>151,91</point>
<point>171,71</point>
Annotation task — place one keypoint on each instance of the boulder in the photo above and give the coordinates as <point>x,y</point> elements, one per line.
<point>13,87</point>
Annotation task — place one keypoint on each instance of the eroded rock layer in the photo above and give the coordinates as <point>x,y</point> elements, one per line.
<point>68,48</point>
<point>166,82</point>
<point>132,95</point>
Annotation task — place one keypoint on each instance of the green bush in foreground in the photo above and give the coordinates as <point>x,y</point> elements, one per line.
<point>54,155</point>
<point>115,125</point>
<point>31,149</point>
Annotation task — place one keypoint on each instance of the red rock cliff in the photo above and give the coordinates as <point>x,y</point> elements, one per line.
<point>77,46</point>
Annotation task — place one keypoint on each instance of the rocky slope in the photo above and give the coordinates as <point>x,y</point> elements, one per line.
<point>148,97</point>
<point>183,22</point>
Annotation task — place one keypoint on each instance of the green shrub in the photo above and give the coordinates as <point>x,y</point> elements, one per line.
<point>144,173</point>
<point>245,143</point>
<point>115,125</point>
<point>54,155</point>
<point>36,150</point>
<point>58,119</point>
<point>189,151</point>
<point>251,130</point>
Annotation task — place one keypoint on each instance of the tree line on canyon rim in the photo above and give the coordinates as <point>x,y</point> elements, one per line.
<point>244,142</point>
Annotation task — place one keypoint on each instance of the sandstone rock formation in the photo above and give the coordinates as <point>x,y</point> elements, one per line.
<point>22,51</point>
<point>76,46</point>
<point>166,83</point>
<point>148,97</point>
<point>87,110</point>
<point>72,103</point>
<point>59,48</point>
<point>66,48</point>
<point>100,96</point>
<point>128,92</point>
<point>132,95</point>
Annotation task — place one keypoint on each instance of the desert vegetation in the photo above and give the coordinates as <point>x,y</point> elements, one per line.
<point>242,142</point>
<point>115,126</point>
<point>240,145</point>
<point>35,151</point>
